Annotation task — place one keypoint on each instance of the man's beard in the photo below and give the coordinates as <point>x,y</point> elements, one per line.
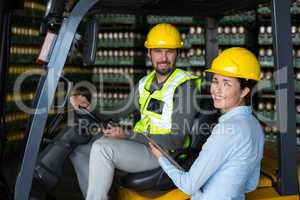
<point>164,71</point>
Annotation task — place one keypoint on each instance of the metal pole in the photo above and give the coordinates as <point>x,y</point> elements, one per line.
<point>285,97</point>
<point>211,40</point>
<point>211,50</point>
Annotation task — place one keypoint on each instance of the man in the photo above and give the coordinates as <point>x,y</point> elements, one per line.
<point>166,102</point>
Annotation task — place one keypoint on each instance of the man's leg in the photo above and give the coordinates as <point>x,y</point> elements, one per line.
<point>108,154</point>
<point>80,160</point>
<point>49,168</point>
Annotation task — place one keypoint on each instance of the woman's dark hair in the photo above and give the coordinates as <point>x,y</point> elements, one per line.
<point>249,84</point>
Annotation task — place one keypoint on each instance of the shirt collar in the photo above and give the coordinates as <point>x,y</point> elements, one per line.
<point>157,86</point>
<point>234,111</point>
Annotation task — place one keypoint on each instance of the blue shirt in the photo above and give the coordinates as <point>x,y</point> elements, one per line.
<point>228,165</point>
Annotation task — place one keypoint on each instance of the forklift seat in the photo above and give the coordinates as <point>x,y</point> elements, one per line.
<point>126,194</point>
<point>269,172</point>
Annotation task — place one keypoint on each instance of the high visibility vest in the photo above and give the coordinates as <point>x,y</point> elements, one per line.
<point>156,108</point>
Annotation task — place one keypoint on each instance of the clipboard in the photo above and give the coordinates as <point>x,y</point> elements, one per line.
<point>164,153</point>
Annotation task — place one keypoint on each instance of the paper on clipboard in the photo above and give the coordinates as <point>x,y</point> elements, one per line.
<point>163,152</point>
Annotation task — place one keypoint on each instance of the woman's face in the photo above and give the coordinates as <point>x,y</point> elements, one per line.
<point>227,93</point>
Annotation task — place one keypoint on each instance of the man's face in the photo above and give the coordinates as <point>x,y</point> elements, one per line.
<point>163,60</point>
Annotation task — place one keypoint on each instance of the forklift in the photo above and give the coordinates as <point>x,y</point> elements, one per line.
<point>279,171</point>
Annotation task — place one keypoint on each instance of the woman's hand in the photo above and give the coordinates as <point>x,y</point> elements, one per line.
<point>155,150</point>
<point>79,101</point>
<point>114,132</point>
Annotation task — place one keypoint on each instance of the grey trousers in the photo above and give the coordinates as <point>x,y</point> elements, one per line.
<point>80,160</point>
<point>94,163</point>
<point>107,154</point>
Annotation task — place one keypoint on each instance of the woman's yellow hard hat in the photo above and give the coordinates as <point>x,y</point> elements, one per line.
<point>236,62</point>
<point>163,36</point>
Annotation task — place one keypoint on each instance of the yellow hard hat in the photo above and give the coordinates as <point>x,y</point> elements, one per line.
<point>236,62</point>
<point>163,36</point>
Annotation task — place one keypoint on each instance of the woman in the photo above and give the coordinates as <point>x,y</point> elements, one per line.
<point>228,165</point>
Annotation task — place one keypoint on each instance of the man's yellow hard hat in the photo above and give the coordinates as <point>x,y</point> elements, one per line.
<point>163,36</point>
<point>236,62</point>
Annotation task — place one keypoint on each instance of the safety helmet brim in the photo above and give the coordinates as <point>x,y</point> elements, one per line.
<point>225,73</point>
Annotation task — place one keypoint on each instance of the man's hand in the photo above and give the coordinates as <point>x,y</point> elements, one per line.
<point>114,132</point>
<point>79,101</point>
<point>154,150</point>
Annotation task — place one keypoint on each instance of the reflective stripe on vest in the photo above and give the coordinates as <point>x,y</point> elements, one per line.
<point>153,122</point>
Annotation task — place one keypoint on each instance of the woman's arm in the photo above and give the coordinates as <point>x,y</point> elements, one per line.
<point>214,153</point>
